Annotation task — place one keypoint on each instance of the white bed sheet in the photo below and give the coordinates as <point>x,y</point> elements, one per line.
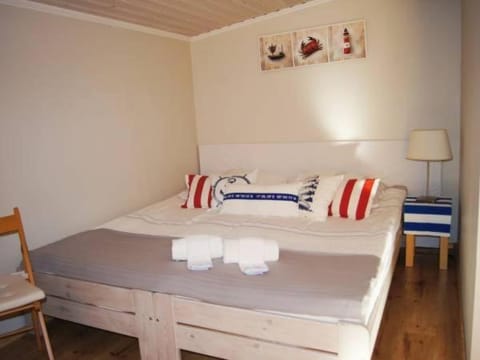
<point>338,235</point>
<point>375,235</point>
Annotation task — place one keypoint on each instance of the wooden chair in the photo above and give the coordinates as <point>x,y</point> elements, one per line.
<point>19,295</point>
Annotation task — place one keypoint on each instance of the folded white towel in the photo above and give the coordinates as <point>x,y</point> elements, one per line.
<point>246,248</point>
<point>213,243</point>
<point>198,250</point>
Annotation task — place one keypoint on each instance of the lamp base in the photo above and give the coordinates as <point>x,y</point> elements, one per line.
<point>427,198</point>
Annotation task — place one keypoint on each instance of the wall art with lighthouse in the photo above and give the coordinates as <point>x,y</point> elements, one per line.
<point>347,41</point>
<point>323,44</point>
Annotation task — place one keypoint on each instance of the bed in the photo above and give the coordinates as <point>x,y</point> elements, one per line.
<point>168,318</point>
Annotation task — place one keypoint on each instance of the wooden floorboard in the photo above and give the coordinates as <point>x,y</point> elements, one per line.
<point>422,321</point>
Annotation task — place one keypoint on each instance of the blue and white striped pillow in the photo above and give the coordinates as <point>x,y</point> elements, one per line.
<point>264,200</point>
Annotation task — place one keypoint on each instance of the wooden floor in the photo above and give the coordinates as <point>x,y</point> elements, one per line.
<point>422,321</point>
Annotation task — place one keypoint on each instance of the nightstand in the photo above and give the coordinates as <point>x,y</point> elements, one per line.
<point>427,219</point>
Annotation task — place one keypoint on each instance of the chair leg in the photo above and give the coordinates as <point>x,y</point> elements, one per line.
<point>45,335</point>
<point>36,329</point>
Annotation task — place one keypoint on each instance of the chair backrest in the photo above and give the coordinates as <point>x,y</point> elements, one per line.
<point>12,224</point>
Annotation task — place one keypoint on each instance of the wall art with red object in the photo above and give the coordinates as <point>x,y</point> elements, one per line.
<point>318,45</point>
<point>347,41</point>
<point>310,46</point>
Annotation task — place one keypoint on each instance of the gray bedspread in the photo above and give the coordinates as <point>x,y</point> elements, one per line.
<point>301,283</point>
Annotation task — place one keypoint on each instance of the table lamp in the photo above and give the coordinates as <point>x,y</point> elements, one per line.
<point>429,145</point>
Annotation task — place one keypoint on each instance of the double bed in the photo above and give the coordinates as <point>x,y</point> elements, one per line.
<point>323,299</point>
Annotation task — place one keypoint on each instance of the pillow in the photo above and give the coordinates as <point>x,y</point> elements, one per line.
<point>354,198</point>
<point>316,194</point>
<point>199,192</point>
<point>265,200</point>
<point>380,190</point>
<point>219,182</point>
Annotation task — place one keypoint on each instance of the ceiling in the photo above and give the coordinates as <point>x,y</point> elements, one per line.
<point>185,17</point>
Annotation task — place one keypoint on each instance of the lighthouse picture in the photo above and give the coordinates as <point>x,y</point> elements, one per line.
<point>347,45</point>
<point>347,41</point>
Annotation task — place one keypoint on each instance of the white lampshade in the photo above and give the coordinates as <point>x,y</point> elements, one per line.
<point>429,145</point>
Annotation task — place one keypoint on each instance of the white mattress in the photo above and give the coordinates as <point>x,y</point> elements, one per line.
<point>375,235</point>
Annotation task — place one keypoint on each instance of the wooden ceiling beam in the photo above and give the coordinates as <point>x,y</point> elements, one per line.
<point>167,10</point>
<point>198,7</point>
<point>123,15</point>
<point>257,7</point>
<point>127,15</point>
<point>230,7</point>
<point>186,17</point>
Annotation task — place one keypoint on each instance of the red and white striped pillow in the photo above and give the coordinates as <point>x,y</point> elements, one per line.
<point>199,192</point>
<point>354,198</point>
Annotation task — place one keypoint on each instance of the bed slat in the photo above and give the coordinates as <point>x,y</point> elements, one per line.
<point>109,297</point>
<point>227,346</point>
<point>293,331</point>
<point>119,322</point>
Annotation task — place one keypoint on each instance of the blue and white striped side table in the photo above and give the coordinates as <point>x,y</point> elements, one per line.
<point>428,219</point>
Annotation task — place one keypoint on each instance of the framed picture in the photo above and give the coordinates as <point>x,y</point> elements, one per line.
<point>276,51</point>
<point>310,46</point>
<point>347,41</point>
<point>317,45</point>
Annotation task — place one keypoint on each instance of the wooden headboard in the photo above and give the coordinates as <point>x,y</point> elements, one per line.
<point>379,158</point>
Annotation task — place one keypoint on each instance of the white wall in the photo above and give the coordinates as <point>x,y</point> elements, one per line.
<point>410,79</point>
<point>470,166</point>
<point>95,121</point>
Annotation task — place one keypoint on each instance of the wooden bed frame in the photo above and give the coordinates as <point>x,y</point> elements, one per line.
<point>164,324</point>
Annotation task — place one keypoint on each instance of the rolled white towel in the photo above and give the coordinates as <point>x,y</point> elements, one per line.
<point>253,268</point>
<point>249,250</point>
<point>250,254</point>
<point>214,244</point>
<point>198,255</point>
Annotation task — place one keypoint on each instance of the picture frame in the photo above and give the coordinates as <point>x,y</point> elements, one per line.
<point>347,41</point>
<point>310,46</point>
<point>313,46</point>
<point>276,51</point>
